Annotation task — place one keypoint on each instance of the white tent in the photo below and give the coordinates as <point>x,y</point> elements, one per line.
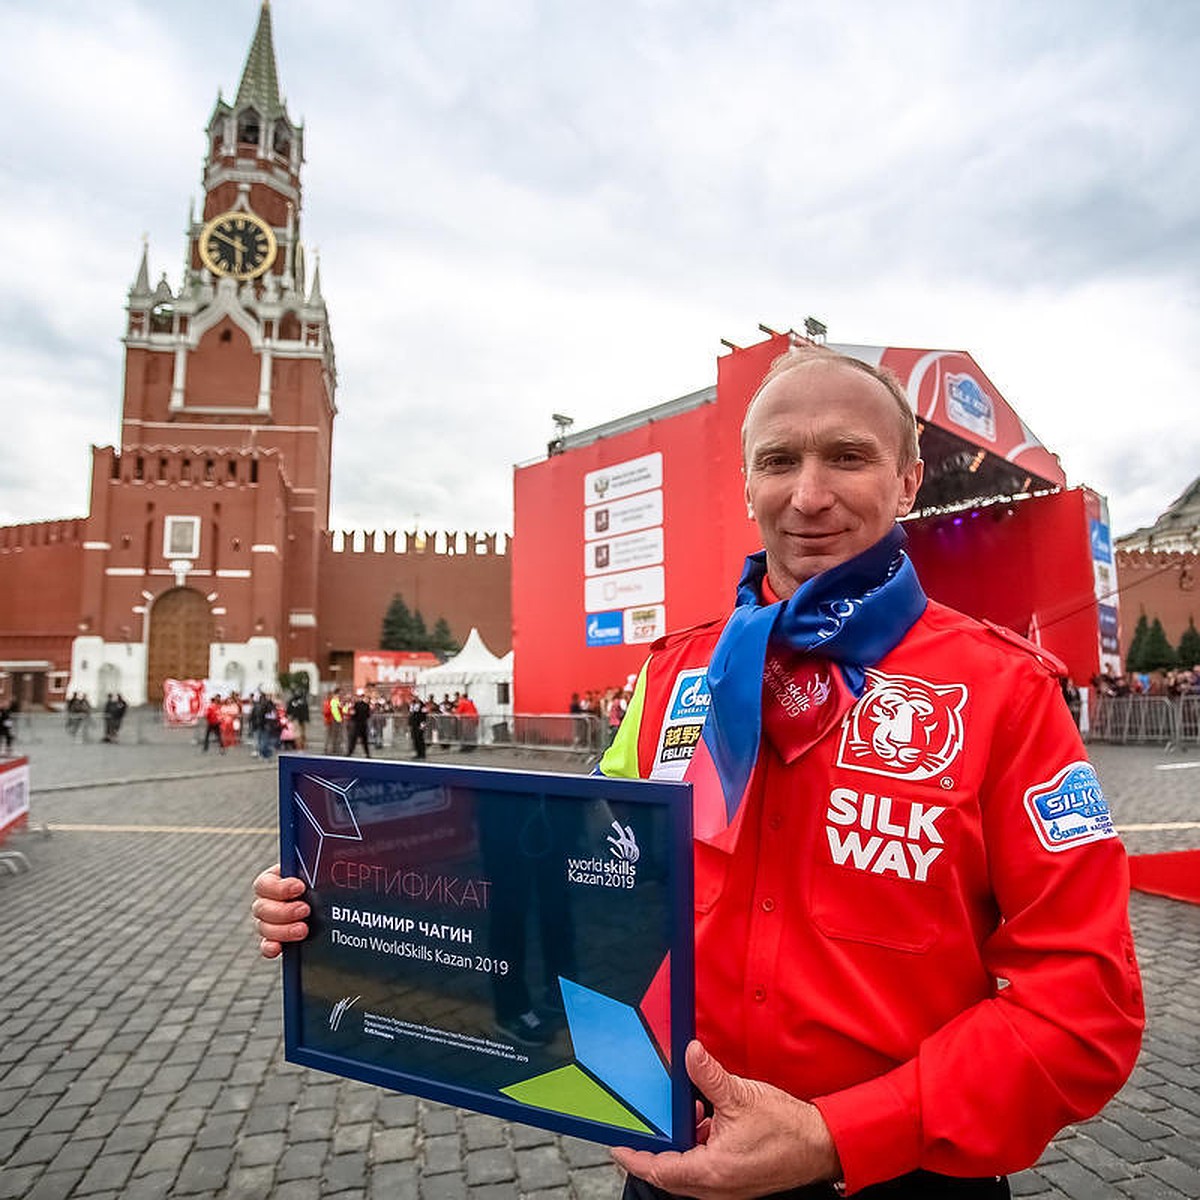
<point>475,670</point>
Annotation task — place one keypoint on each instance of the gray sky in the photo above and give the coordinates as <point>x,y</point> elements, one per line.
<point>533,207</point>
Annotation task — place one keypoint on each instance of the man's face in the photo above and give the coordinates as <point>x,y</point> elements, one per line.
<point>823,477</point>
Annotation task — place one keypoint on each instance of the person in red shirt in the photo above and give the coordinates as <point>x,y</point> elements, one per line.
<point>913,957</point>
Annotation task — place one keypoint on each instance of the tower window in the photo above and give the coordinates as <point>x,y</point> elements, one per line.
<point>162,316</point>
<point>248,128</point>
<point>226,336</point>
<point>281,142</point>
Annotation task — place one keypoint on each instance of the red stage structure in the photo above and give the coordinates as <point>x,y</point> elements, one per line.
<point>638,526</point>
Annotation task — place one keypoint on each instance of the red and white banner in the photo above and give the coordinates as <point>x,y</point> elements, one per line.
<point>183,701</point>
<point>14,795</point>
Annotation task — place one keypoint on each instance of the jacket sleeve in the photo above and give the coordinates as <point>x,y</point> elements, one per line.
<point>986,1093</point>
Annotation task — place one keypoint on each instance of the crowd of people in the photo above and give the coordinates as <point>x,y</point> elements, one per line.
<point>1171,684</point>
<point>608,706</point>
<point>379,720</point>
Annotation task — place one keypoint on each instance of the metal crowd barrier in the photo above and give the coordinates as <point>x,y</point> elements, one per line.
<point>1144,720</point>
<point>583,732</point>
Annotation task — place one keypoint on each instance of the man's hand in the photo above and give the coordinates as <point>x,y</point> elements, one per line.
<point>759,1140</point>
<point>278,911</point>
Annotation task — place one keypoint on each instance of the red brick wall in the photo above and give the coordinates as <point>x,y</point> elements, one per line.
<point>468,589</point>
<point>1161,584</point>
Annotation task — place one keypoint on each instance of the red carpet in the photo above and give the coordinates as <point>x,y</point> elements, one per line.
<point>1176,874</point>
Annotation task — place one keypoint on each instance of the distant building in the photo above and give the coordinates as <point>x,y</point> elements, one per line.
<point>206,551</point>
<point>1158,566</point>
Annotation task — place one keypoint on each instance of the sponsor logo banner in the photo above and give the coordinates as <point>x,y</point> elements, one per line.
<point>623,479</point>
<point>623,516</point>
<point>605,628</point>
<point>1069,810</point>
<point>645,624</point>
<point>628,589</point>
<point>903,727</point>
<point>969,406</point>
<point>1101,541</point>
<point>623,553</point>
<point>1109,642</point>
<point>683,723</point>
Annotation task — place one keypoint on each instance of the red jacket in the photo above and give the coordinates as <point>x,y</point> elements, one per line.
<point>921,923</point>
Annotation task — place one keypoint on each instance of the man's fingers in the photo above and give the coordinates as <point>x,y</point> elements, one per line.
<point>279,912</point>
<point>270,886</point>
<point>297,931</point>
<point>710,1077</point>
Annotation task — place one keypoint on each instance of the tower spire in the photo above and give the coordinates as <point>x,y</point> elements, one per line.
<point>260,78</point>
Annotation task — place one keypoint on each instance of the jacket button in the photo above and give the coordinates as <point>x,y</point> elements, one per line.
<point>760,994</point>
<point>768,905</point>
<point>776,821</point>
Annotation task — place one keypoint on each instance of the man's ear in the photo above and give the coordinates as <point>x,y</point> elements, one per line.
<point>910,486</point>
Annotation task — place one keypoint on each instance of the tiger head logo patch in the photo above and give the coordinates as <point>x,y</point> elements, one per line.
<point>903,727</point>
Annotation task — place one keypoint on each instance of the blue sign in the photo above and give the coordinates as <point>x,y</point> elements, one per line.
<point>605,628</point>
<point>1109,642</point>
<point>1101,542</point>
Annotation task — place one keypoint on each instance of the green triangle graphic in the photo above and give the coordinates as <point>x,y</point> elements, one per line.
<point>568,1090</point>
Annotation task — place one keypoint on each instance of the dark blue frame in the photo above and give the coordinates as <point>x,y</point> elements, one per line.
<point>674,797</point>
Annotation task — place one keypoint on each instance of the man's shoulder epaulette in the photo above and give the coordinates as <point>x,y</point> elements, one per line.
<point>1050,663</point>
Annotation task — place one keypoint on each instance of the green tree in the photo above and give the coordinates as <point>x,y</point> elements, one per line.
<point>293,681</point>
<point>420,639</point>
<point>1134,660</point>
<point>399,627</point>
<point>443,641</point>
<point>1189,645</point>
<point>1157,652</point>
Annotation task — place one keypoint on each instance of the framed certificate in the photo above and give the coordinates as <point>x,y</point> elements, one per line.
<point>517,943</point>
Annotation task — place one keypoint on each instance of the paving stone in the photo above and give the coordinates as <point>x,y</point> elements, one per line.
<point>345,1171</point>
<point>303,1161</point>
<point>393,1145</point>
<point>251,1182</point>
<point>540,1167</point>
<point>37,1148</point>
<point>108,1173</point>
<point>490,1165</point>
<point>350,1137</point>
<point>260,1149</point>
<point>17,1181</point>
<point>204,1170</point>
<point>55,1185</point>
<point>164,1154</point>
<point>392,1180</point>
<point>441,1154</point>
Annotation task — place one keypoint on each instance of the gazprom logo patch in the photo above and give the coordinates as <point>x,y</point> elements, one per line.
<point>605,628</point>
<point>1070,810</point>
<point>690,697</point>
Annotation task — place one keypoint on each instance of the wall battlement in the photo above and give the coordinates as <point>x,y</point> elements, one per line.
<point>42,533</point>
<point>1146,560</point>
<point>447,542</point>
<point>186,464</point>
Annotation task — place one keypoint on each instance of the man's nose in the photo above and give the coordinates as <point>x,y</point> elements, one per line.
<point>810,488</point>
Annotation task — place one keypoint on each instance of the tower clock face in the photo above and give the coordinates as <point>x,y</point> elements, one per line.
<point>238,244</point>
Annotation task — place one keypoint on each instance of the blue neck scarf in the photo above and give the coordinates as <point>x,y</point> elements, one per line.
<point>851,615</point>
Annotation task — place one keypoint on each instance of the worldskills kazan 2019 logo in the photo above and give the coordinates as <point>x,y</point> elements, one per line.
<point>903,727</point>
<point>619,870</point>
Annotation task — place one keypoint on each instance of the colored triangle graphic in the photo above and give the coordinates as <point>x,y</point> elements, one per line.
<point>569,1090</point>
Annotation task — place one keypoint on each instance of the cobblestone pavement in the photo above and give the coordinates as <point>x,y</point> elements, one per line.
<point>141,1051</point>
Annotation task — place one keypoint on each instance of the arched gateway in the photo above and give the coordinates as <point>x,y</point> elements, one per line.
<point>181,628</point>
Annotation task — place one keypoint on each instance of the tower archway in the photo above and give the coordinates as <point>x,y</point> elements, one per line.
<point>181,631</point>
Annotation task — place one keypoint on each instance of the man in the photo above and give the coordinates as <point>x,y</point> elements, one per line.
<point>360,720</point>
<point>913,959</point>
<point>416,725</point>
